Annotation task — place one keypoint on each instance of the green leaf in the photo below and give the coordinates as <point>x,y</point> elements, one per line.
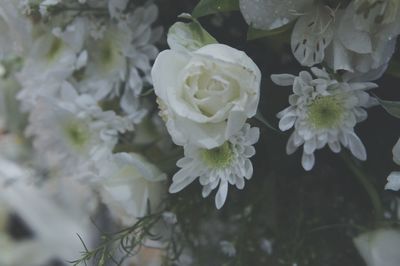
<point>253,34</point>
<point>209,7</point>
<point>394,69</point>
<point>188,36</point>
<point>391,107</point>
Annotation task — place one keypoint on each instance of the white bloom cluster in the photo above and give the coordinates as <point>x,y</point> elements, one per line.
<point>323,112</point>
<point>359,38</point>
<point>205,96</point>
<point>81,73</point>
<point>80,68</point>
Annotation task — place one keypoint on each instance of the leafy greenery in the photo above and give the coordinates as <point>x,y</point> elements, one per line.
<point>199,36</point>
<point>128,240</point>
<point>209,7</point>
<point>394,69</point>
<point>253,34</point>
<point>392,107</point>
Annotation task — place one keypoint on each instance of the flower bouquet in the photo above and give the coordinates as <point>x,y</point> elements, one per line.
<point>160,132</point>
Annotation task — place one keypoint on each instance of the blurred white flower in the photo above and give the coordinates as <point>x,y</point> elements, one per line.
<point>130,186</point>
<point>54,224</point>
<point>73,131</point>
<point>380,247</point>
<point>394,178</point>
<point>50,62</point>
<point>218,167</point>
<point>15,30</point>
<point>323,111</point>
<point>119,58</point>
<point>228,248</point>
<point>207,95</point>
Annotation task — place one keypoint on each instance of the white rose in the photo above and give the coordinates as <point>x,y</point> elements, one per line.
<point>206,95</point>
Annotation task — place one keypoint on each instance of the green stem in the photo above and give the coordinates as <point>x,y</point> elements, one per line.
<point>366,183</point>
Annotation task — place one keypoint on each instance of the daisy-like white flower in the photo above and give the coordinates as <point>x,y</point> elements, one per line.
<point>73,131</point>
<point>227,164</point>
<point>52,59</point>
<point>394,178</point>
<point>323,111</point>
<point>119,57</point>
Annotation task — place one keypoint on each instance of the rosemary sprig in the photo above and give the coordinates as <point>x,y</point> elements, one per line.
<point>128,240</point>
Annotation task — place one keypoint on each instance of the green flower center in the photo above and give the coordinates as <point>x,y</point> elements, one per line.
<point>219,157</point>
<point>77,134</point>
<point>109,55</point>
<point>325,112</point>
<point>55,49</point>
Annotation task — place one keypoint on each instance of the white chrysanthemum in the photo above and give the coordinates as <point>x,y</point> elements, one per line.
<point>121,50</point>
<point>323,111</point>
<point>128,184</point>
<point>394,178</point>
<point>53,58</point>
<point>218,167</point>
<point>73,131</point>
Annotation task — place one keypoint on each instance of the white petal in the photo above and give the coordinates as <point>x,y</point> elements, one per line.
<point>356,146</point>
<point>182,174</point>
<point>362,85</point>
<point>311,35</point>
<point>307,161</point>
<point>239,182</point>
<point>236,120</point>
<point>178,186</point>
<point>393,181</point>
<point>206,191</point>
<point>310,146</point>
<point>379,247</point>
<point>335,146</point>
<point>353,39</point>
<point>248,167</point>
<point>320,73</point>
<point>283,79</point>
<point>221,194</point>
<point>291,146</point>
<point>396,152</point>
<point>252,136</point>
<point>287,122</point>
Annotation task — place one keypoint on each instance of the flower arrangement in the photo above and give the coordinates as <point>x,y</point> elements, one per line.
<point>118,118</point>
